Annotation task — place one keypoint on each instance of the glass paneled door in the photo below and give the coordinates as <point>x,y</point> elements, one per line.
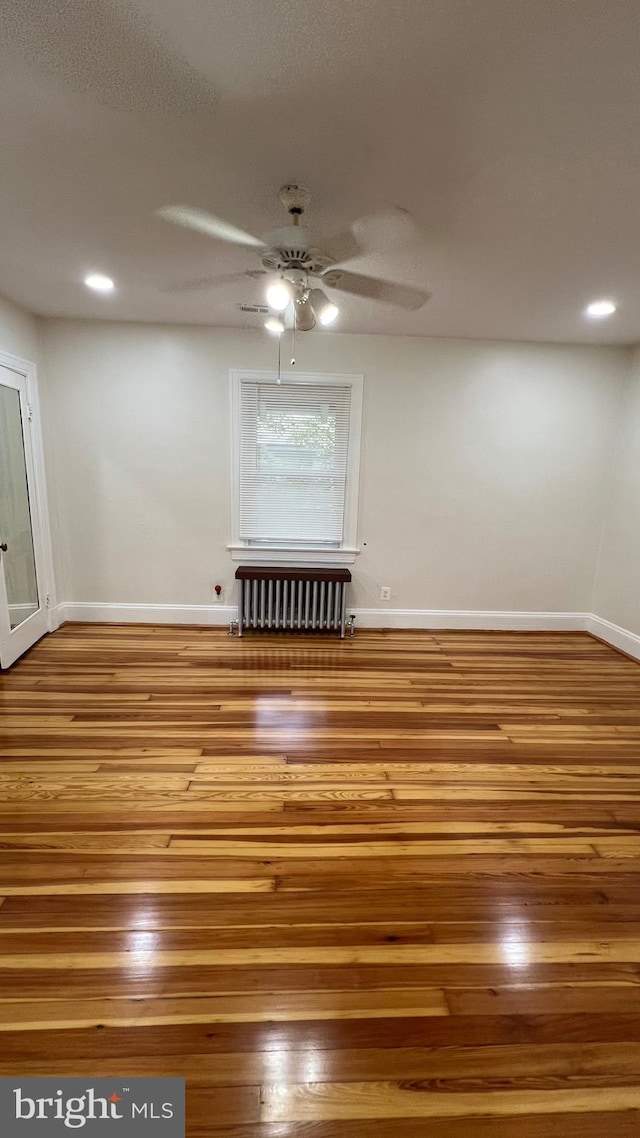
<point>23,616</point>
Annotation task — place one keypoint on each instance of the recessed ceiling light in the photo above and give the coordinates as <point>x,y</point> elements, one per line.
<point>99,283</point>
<point>600,308</point>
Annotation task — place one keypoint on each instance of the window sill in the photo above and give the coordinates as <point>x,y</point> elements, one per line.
<point>254,555</point>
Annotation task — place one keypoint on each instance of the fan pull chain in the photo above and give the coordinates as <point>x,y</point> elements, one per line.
<point>293,339</point>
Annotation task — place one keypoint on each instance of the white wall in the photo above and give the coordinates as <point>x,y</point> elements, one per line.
<point>485,465</point>
<point>18,331</point>
<point>617,588</point>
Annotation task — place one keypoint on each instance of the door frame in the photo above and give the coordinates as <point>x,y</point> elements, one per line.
<point>38,490</point>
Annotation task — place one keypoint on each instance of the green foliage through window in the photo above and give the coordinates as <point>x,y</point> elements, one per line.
<point>290,439</point>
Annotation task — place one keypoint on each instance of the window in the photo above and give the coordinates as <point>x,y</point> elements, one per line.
<point>296,449</point>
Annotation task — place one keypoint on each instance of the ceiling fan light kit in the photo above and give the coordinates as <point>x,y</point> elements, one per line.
<point>291,252</point>
<point>305,317</point>
<point>280,294</point>
<point>325,309</point>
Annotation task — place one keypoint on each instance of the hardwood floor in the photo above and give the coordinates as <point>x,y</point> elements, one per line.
<point>381,888</point>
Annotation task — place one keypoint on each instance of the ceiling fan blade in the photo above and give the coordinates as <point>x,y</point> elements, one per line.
<point>193,218</point>
<point>404,296</point>
<point>386,230</point>
<point>202,283</point>
<point>341,246</point>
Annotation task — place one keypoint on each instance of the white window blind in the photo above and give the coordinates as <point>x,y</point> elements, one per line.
<point>294,450</point>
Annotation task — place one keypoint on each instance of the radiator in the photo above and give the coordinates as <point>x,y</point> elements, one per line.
<point>291,600</point>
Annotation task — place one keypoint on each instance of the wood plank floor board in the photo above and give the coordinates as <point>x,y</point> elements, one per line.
<point>334,1005</point>
<point>413,988</point>
<point>338,1101</point>
<point>380,888</point>
<point>440,1031</point>
<point>461,909</point>
<point>213,980</point>
<point>625,1125</point>
<point>589,1061</point>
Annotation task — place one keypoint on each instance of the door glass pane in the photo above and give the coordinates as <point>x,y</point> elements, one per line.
<point>18,562</point>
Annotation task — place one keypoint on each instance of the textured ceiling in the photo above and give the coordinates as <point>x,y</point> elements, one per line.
<point>510,129</point>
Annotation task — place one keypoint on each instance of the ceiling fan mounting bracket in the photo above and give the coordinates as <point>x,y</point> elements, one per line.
<point>295,199</point>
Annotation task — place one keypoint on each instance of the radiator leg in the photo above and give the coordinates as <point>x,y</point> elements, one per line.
<point>240,607</point>
<point>351,625</point>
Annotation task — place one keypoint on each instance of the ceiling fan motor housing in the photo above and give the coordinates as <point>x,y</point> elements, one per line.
<point>291,248</point>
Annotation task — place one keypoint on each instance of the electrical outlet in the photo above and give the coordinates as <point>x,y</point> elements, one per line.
<point>385,593</point>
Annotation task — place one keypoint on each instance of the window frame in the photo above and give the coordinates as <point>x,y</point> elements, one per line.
<point>296,554</point>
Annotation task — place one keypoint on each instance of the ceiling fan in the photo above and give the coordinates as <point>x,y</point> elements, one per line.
<point>295,266</point>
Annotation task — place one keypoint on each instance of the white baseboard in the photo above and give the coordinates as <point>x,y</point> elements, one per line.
<point>103,613</point>
<point>215,615</point>
<point>470,619</point>
<point>481,620</point>
<point>615,635</point>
